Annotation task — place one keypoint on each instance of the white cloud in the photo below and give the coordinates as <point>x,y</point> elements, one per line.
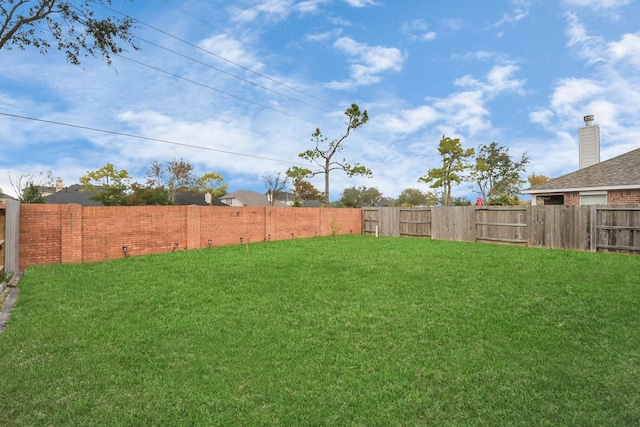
<point>519,12</point>
<point>368,62</point>
<point>231,50</point>
<point>319,37</point>
<point>408,121</point>
<point>272,9</point>
<point>360,3</point>
<point>499,79</point>
<point>417,30</point>
<point>597,4</point>
<point>276,10</point>
<point>627,50</point>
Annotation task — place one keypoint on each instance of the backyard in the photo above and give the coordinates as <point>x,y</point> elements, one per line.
<point>368,331</point>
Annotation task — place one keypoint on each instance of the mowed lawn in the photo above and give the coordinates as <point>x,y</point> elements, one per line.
<point>368,332</point>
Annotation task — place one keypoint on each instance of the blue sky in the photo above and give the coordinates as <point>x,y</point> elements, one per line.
<point>249,81</point>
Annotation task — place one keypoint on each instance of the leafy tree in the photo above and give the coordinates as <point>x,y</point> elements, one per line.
<point>109,185</point>
<point>180,177</point>
<point>302,189</point>
<point>276,184</point>
<point>505,200</point>
<point>460,201</point>
<point>497,175</point>
<point>32,194</point>
<point>412,197</point>
<point>72,24</point>
<point>357,197</point>
<point>323,153</point>
<point>453,166</point>
<point>21,181</point>
<point>211,183</point>
<point>155,175</point>
<point>537,179</point>
<point>148,195</point>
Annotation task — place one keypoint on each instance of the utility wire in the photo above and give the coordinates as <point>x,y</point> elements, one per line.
<point>197,18</point>
<point>215,89</point>
<point>146,138</point>
<point>220,57</point>
<point>230,74</point>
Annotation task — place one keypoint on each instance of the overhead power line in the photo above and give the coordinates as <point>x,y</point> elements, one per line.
<point>264,76</point>
<point>230,74</point>
<point>215,89</point>
<point>146,138</point>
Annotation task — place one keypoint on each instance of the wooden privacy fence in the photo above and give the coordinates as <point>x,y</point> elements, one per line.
<point>585,228</point>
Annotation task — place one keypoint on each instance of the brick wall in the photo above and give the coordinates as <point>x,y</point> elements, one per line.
<point>624,197</point>
<point>52,234</point>
<point>618,197</point>
<point>572,198</point>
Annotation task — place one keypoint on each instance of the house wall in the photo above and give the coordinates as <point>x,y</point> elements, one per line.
<point>572,198</point>
<point>624,197</point>
<point>51,234</point>
<point>618,197</point>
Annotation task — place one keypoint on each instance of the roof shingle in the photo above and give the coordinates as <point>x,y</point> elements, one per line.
<point>620,171</point>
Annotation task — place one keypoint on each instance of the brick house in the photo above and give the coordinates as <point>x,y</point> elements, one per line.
<point>613,182</point>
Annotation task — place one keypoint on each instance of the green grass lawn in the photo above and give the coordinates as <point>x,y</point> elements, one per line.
<point>369,332</point>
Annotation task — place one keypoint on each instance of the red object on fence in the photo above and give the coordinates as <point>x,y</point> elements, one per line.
<point>479,201</point>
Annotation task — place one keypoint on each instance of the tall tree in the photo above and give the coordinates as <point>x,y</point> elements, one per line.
<point>454,165</point>
<point>276,184</point>
<point>180,177</point>
<point>496,174</point>
<point>357,197</point>
<point>212,183</point>
<point>323,153</point>
<point>109,185</point>
<point>70,25</point>
<point>412,197</point>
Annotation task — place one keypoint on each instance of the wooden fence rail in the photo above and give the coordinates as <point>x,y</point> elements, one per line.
<point>584,228</point>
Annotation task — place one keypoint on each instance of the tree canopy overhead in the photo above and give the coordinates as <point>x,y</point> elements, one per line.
<point>71,26</point>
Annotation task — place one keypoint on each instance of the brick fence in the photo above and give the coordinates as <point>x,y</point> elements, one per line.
<point>51,234</point>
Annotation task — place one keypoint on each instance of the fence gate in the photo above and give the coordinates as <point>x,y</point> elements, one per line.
<point>371,221</point>
<point>415,222</point>
<point>615,229</point>
<point>501,224</point>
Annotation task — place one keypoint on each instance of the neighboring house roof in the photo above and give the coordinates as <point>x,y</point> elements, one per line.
<point>186,198</point>
<point>619,173</point>
<point>5,197</point>
<point>72,194</point>
<point>287,198</point>
<point>248,198</point>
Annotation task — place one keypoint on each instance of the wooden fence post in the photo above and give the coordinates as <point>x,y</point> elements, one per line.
<point>593,229</point>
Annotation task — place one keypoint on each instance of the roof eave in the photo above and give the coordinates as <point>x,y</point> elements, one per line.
<point>578,189</point>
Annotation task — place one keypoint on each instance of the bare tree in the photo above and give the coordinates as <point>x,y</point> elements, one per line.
<point>276,184</point>
<point>21,181</point>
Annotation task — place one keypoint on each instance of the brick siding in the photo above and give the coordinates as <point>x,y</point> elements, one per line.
<point>624,197</point>
<point>617,197</point>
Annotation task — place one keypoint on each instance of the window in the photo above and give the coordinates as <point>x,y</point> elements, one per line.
<point>593,198</point>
